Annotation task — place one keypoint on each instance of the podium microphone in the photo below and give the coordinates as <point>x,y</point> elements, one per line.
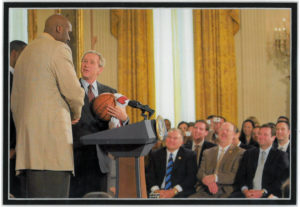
<point>138,105</point>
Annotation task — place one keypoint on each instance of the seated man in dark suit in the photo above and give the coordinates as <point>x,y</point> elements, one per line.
<point>172,169</point>
<point>262,170</point>
<point>283,136</point>
<point>198,144</point>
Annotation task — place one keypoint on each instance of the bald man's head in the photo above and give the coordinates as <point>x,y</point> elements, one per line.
<point>58,27</point>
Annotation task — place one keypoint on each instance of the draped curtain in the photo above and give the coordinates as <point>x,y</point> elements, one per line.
<point>32,24</point>
<point>134,32</point>
<point>215,65</point>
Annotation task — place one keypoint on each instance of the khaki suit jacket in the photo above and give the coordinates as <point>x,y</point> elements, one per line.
<point>46,95</point>
<point>227,168</point>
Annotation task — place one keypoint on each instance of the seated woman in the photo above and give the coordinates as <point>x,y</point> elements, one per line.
<point>246,136</point>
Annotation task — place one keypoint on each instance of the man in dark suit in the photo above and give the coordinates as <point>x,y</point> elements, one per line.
<point>16,48</point>
<point>199,132</point>
<point>172,169</point>
<point>92,163</point>
<point>283,137</point>
<point>263,170</point>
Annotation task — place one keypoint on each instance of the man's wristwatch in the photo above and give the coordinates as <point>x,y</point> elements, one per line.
<point>264,193</point>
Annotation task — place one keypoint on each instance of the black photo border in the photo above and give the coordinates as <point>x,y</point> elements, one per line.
<point>127,5</point>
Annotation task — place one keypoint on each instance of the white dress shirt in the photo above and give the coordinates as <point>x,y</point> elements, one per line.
<point>86,87</point>
<point>284,147</point>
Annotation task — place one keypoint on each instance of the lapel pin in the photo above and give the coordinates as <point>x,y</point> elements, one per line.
<point>179,158</point>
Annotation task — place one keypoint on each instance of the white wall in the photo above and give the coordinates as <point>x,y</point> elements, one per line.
<point>263,89</point>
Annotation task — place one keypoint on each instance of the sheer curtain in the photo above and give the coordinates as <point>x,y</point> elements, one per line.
<point>18,24</point>
<point>174,64</point>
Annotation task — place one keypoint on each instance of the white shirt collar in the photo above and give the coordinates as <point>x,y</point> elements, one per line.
<point>174,154</point>
<point>266,150</point>
<point>86,85</point>
<point>285,146</point>
<point>225,148</point>
<point>11,69</point>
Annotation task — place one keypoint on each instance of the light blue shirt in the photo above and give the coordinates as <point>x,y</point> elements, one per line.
<point>86,87</point>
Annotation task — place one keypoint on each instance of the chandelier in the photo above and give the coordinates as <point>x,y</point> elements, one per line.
<point>279,47</point>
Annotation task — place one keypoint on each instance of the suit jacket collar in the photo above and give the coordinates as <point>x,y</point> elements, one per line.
<point>270,157</point>
<point>86,99</point>
<point>231,150</point>
<point>178,158</point>
<point>163,160</point>
<point>214,155</point>
<point>205,143</point>
<point>101,88</point>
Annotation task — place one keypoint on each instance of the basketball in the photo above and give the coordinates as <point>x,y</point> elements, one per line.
<point>100,105</point>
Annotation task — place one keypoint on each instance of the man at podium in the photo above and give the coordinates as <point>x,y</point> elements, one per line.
<point>92,164</point>
<point>172,169</point>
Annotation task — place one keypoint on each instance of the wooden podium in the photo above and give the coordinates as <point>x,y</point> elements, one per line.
<point>128,145</point>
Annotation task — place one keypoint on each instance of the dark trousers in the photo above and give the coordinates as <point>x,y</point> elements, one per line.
<point>237,194</point>
<point>88,176</point>
<point>47,184</point>
<point>14,181</point>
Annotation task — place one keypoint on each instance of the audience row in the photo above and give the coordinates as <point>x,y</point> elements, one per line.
<point>218,161</point>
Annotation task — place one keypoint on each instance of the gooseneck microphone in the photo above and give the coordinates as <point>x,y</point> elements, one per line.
<point>138,105</point>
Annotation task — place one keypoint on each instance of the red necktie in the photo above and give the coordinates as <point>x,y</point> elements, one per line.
<point>90,93</point>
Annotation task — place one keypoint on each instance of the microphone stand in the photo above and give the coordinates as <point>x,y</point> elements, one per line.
<point>145,115</point>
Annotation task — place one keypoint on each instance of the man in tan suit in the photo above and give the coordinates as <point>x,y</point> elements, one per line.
<point>46,99</point>
<point>219,166</point>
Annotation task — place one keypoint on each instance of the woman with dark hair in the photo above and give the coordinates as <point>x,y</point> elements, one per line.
<point>183,126</point>
<point>246,136</point>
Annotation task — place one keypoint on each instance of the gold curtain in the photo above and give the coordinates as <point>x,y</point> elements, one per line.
<point>134,31</point>
<point>32,24</point>
<point>215,66</point>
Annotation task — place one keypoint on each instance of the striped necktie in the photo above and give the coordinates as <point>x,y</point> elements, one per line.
<point>90,93</point>
<point>168,182</point>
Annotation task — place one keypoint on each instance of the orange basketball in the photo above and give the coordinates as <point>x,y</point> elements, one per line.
<point>100,105</point>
